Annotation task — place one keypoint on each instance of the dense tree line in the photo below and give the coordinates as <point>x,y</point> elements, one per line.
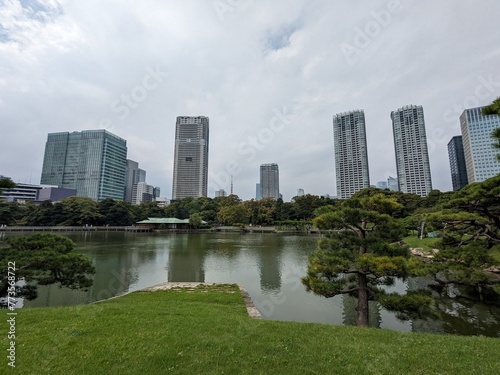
<point>230,210</point>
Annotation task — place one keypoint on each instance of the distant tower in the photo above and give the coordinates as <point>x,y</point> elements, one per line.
<point>392,184</point>
<point>269,181</point>
<point>457,163</point>
<point>351,155</point>
<point>220,193</point>
<point>258,191</point>
<point>480,157</point>
<point>412,156</point>
<point>300,192</point>
<point>190,157</point>
<point>93,162</point>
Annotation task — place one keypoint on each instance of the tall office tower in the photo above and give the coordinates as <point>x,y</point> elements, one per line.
<point>392,184</point>
<point>191,157</point>
<point>258,191</point>
<point>270,181</point>
<point>300,192</point>
<point>351,155</point>
<point>142,192</point>
<point>141,175</point>
<point>93,162</point>
<point>480,156</point>
<point>457,163</point>
<point>131,178</point>
<point>156,192</point>
<point>381,185</point>
<point>412,156</point>
<point>133,175</point>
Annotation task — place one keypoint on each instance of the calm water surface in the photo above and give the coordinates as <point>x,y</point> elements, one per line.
<point>269,266</point>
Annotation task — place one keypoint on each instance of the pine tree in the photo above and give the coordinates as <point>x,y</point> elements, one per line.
<point>361,254</point>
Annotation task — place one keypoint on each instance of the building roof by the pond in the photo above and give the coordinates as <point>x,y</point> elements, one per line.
<point>165,220</point>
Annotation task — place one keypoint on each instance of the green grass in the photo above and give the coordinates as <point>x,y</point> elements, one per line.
<point>207,331</point>
<point>425,243</point>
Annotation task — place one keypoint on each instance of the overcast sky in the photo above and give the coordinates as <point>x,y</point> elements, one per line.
<point>269,74</point>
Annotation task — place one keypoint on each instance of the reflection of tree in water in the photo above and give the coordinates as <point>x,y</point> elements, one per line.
<point>349,312</point>
<point>115,272</point>
<point>419,325</point>
<point>186,258</point>
<point>461,313</point>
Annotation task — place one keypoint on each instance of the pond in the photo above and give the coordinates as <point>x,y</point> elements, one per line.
<point>268,266</point>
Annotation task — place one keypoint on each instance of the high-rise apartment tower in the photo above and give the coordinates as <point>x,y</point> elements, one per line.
<point>351,154</point>
<point>412,156</point>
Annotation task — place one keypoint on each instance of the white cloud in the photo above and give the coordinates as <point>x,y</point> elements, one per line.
<point>63,65</point>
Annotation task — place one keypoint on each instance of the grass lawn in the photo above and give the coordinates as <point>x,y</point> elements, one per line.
<point>208,331</point>
<point>425,243</point>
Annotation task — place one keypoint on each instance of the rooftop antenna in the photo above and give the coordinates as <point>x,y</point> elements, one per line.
<point>231,184</point>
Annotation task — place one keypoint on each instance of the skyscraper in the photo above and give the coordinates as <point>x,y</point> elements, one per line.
<point>270,181</point>
<point>93,162</point>
<point>258,191</point>
<point>142,192</point>
<point>351,154</point>
<point>392,184</point>
<point>457,163</point>
<point>133,176</point>
<point>412,156</point>
<point>480,156</point>
<point>191,157</point>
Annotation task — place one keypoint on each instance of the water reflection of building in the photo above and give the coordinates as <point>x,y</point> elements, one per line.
<point>349,312</point>
<point>186,258</point>
<point>270,265</point>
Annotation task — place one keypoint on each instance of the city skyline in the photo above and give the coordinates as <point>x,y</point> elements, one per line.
<point>270,75</point>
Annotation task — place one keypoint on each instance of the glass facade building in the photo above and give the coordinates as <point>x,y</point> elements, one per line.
<point>351,153</point>
<point>190,157</point>
<point>93,162</point>
<point>412,155</point>
<point>457,163</point>
<point>269,181</point>
<point>480,155</point>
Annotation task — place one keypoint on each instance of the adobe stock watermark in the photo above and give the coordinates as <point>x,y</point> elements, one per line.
<point>380,20</point>
<point>252,145</point>
<point>222,7</point>
<point>483,92</point>
<point>125,103</point>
